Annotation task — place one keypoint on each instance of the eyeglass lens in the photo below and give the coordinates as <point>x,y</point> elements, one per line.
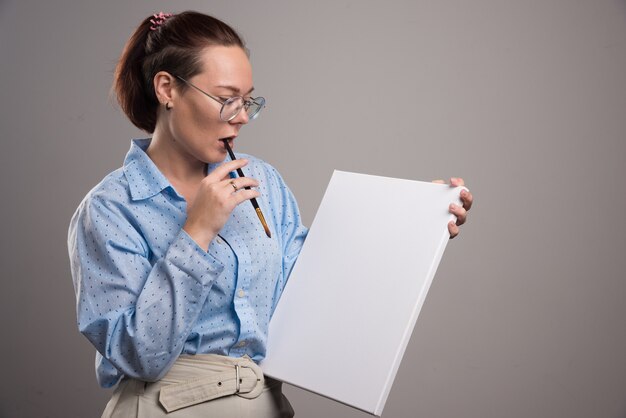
<point>233,106</point>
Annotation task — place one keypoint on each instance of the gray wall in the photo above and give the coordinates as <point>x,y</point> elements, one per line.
<point>525,100</point>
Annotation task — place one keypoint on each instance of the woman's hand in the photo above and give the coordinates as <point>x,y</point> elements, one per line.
<point>216,198</point>
<point>459,211</point>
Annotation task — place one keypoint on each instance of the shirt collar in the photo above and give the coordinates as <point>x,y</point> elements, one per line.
<point>144,178</point>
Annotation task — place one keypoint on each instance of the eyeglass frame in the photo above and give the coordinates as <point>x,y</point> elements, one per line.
<point>246,102</point>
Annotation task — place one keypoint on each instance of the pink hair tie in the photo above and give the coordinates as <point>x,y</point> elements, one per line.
<point>159,19</point>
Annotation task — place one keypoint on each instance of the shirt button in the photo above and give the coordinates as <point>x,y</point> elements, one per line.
<point>219,240</point>
<point>241,293</point>
<point>241,344</point>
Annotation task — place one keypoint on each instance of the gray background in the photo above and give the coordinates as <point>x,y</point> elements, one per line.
<point>525,100</point>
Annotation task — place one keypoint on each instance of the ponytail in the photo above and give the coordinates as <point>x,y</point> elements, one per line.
<point>130,86</point>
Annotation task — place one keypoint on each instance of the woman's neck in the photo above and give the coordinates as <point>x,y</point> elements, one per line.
<point>177,165</point>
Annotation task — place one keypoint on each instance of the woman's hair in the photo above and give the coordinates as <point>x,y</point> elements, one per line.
<point>169,43</point>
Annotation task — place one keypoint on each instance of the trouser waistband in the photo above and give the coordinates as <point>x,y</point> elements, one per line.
<point>204,377</point>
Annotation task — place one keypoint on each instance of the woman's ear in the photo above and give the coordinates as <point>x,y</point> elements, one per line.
<point>163,86</point>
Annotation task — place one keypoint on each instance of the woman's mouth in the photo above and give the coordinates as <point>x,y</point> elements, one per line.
<point>230,140</point>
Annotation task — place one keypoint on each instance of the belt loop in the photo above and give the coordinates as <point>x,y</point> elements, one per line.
<point>238,385</point>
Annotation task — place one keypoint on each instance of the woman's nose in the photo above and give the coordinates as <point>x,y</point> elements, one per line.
<point>241,117</point>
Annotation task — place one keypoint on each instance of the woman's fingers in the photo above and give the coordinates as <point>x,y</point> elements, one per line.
<point>456,181</point>
<point>467,199</point>
<point>239,183</point>
<point>466,196</point>
<point>459,212</point>
<point>216,198</point>
<point>453,229</point>
<point>244,195</point>
<point>221,172</point>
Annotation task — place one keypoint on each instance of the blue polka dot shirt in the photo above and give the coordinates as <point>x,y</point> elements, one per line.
<point>146,292</point>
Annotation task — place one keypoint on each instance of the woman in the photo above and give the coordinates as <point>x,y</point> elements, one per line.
<point>174,276</point>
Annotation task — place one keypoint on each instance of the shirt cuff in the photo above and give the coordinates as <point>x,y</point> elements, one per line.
<point>188,256</point>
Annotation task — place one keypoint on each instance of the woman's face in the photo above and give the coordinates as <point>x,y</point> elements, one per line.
<point>195,122</point>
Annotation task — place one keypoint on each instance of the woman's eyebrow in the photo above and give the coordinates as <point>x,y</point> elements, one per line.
<point>235,89</point>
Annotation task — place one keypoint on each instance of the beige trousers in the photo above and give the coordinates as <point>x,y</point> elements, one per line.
<point>202,386</point>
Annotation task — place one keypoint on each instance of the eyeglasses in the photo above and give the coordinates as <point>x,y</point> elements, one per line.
<point>233,105</point>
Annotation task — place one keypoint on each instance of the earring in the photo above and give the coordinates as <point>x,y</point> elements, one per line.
<point>168,106</point>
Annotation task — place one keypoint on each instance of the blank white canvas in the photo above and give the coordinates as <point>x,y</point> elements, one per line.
<point>349,308</point>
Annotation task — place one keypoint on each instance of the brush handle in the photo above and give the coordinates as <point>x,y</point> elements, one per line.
<point>255,205</point>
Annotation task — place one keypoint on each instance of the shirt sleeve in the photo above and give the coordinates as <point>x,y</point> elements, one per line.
<point>136,311</point>
<point>292,231</point>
